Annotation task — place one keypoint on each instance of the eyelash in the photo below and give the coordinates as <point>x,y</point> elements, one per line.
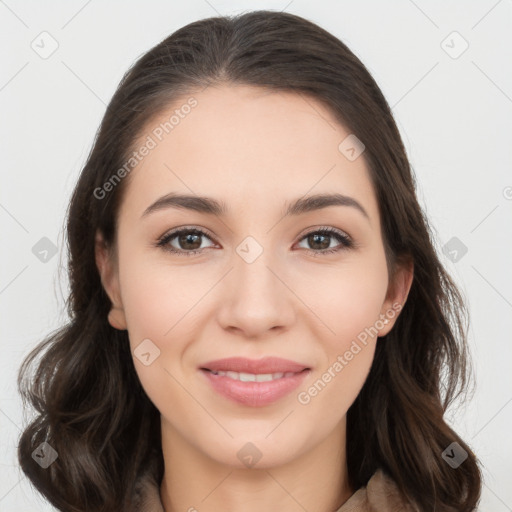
<point>345,241</point>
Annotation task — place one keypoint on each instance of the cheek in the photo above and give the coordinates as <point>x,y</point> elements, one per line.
<point>334,389</point>
<point>158,303</point>
<point>351,310</point>
<point>352,307</point>
<point>347,298</point>
<point>158,299</point>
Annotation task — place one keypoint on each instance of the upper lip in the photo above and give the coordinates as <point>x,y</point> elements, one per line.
<point>256,366</point>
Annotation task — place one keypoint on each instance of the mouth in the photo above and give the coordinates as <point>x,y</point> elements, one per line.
<point>265,366</point>
<point>253,377</point>
<point>254,383</point>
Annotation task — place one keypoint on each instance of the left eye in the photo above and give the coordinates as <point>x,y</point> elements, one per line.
<point>189,241</point>
<point>320,237</point>
<point>186,237</point>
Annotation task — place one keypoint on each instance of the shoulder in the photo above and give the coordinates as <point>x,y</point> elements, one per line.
<point>380,494</point>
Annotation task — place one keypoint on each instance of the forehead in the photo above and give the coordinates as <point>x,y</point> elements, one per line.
<point>248,147</point>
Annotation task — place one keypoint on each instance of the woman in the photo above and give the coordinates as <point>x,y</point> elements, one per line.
<point>259,319</point>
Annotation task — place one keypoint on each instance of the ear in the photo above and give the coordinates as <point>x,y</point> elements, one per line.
<point>108,270</point>
<point>398,290</point>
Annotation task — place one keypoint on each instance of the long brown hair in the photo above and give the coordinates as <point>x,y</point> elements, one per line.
<point>91,408</point>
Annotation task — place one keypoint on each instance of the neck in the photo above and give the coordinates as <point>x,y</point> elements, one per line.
<point>316,481</point>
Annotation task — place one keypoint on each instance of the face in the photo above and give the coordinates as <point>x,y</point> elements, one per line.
<point>309,285</point>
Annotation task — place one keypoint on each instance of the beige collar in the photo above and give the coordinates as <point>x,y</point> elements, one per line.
<point>379,495</point>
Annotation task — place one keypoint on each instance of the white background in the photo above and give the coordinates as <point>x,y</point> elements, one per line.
<point>455,116</point>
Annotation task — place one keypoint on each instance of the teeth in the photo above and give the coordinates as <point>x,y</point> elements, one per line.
<point>264,377</point>
<point>251,377</point>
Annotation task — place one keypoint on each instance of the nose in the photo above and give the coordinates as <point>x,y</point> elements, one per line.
<point>256,298</point>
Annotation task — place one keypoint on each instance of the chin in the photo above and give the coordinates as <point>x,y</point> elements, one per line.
<point>255,451</point>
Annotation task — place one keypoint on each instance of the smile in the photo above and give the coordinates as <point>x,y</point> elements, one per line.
<point>251,377</point>
<point>254,390</point>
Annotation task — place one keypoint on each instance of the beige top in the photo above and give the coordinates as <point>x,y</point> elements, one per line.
<point>379,495</point>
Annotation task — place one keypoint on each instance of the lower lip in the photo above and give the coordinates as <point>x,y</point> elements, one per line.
<point>254,394</point>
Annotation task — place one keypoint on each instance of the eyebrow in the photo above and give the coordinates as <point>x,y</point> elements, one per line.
<point>211,206</point>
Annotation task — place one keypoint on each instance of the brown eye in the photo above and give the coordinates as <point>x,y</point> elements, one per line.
<point>188,241</point>
<point>320,241</point>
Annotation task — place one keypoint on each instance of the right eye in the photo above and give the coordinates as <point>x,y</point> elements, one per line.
<point>187,238</point>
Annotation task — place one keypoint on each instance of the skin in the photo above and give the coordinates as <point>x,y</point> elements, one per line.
<point>256,151</point>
